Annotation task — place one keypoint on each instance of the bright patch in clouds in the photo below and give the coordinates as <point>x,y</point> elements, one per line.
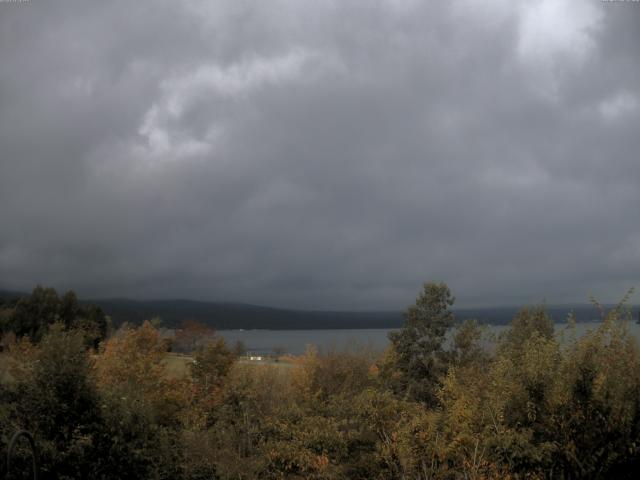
<point>551,28</point>
<point>555,35</point>
<point>619,105</point>
<point>220,89</point>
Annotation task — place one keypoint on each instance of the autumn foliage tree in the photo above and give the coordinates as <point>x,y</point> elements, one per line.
<point>191,334</point>
<point>142,407</point>
<point>211,364</point>
<point>443,402</point>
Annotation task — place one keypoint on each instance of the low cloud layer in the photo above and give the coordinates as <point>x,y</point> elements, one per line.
<point>330,154</point>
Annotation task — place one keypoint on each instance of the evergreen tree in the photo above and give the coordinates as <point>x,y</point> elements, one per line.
<point>419,360</point>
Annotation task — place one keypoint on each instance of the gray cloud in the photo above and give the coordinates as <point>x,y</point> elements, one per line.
<point>321,154</point>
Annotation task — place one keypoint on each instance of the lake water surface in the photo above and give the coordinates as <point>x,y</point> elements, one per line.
<point>296,341</point>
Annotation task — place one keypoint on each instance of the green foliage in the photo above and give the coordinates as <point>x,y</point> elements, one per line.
<point>527,322</point>
<point>419,360</point>
<point>135,442</point>
<point>54,396</point>
<point>467,347</point>
<point>32,316</point>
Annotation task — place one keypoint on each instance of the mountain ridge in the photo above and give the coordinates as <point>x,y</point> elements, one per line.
<point>239,315</point>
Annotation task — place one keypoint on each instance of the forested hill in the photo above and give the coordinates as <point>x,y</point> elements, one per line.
<point>221,315</point>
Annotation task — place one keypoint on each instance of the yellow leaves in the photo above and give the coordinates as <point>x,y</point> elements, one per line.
<point>599,384</point>
<point>304,368</point>
<point>533,403</point>
<point>318,376</point>
<point>531,391</point>
<point>540,357</point>
<point>611,354</point>
<point>135,357</point>
<point>288,458</point>
<point>132,366</point>
<point>19,358</point>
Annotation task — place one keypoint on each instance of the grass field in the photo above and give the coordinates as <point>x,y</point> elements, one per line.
<point>178,364</point>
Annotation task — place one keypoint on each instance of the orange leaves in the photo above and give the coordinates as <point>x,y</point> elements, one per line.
<point>191,334</point>
<point>134,357</point>
<point>131,368</point>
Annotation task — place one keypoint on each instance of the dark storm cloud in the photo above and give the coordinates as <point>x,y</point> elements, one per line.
<point>321,154</point>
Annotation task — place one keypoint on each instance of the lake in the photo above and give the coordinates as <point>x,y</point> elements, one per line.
<point>296,341</point>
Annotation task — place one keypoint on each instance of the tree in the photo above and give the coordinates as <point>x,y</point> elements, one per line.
<point>68,308</point>
<point>93,323</point>
<point>57,401</point>
<point>33,315</point>
<point>239,349</point>
<point>190,334</point>
<point>418,359</point>
<point>319,376</point>
<point>211,364</point>
<point>467,348</point>
<point>528,321</point>
<point>142,408</point>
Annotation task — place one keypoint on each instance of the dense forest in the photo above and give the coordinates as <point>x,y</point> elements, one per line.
<point>535,402</point>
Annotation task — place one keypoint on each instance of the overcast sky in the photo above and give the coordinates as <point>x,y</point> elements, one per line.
<point>321,154</point>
